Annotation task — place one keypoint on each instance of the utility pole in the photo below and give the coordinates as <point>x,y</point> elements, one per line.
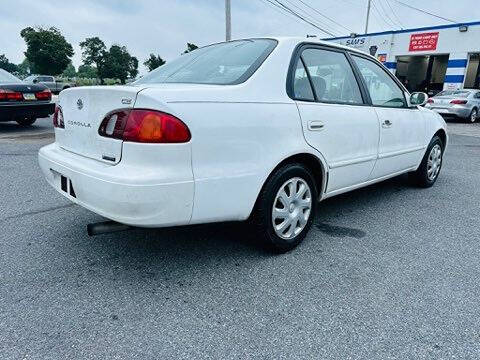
<point>228,20</point>
<point>368,15</point>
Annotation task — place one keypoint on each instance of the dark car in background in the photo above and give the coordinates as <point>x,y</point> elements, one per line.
<point>22,102</point>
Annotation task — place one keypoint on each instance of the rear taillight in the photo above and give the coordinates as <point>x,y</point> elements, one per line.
<point>430,101</point>
<point>44,95</point>
<point>9,95</point>
<point>58,118</point>
<point>145,126</point>
<point>458,102</point>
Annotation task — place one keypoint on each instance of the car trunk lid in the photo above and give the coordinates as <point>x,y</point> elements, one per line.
<point>83,110</point>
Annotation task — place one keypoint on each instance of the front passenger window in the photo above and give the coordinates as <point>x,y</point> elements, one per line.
<point>383,90</point>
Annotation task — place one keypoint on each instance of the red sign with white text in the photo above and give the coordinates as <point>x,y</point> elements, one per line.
<point>423,41</point>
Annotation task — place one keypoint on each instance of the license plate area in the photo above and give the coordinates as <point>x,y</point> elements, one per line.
<point>29,96</point>
<point>66,185</point>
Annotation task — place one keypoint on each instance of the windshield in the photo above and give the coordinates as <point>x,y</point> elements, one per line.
<point>457,93</point>
<point>223,64</point>
<point>8,78</point>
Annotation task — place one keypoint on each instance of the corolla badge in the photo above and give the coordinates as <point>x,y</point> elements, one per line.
<point>79,104</point>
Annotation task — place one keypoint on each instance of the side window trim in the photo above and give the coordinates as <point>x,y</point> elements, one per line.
<point>314,92</point>
<point>394,78</point>
<point>297,56</point>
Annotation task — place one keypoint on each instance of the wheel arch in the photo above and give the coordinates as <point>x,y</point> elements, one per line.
<point>442,134</point>
<point>313,162</point>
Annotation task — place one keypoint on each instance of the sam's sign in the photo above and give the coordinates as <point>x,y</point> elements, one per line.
<point>355,42</point>
<point>423,41</point>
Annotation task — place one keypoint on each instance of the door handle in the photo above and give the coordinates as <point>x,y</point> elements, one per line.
<point>315,126</point>
<point>387,124</point>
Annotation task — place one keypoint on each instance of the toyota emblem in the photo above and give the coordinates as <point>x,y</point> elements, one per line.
<point>79,104</point>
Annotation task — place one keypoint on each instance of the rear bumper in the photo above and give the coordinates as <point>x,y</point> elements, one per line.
<point>456,111</point>
<point>12,112</point>
<point>130,194</point>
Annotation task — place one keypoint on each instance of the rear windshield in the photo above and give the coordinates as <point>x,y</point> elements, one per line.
<point>8,78</point>
<point>223,64</point>
<point>457,93</point>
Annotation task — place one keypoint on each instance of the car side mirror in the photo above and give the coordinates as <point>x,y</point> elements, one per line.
<point>35,81</point>
<point>418,99</point>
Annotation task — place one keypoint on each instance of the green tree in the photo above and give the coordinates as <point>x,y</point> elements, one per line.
<point>153,62</point>
<point>24,68</point>
<point>117,63</point>
<point>6,65</point>
<point>93,51</point>
<point>87,71</point>
<point>47,50</point>
<point>190,47</point>
<point>70,71</point>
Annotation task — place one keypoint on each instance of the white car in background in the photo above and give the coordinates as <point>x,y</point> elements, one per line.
<point>258,129</point>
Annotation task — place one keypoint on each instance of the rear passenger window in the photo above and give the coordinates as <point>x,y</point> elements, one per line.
<point>331,76</point>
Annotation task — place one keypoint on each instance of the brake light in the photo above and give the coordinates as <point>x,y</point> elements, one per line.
<point>58,118</point>
<point>458,102</point>
<point>10,95</point>
<point>44,95</point>
<point>430,101</point>
<point>145,126</point>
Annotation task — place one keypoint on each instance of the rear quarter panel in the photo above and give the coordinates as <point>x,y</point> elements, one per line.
<point>235,146</point>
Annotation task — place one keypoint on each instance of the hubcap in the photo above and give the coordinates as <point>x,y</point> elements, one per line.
<point>434,162</point>
<point>291,208</point>
<point>473,116</point>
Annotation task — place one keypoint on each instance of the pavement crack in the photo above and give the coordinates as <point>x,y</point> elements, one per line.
<point>340,231</point>
<point>35,212</point>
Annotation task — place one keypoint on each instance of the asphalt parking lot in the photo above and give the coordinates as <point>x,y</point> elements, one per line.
<point>388,272</point>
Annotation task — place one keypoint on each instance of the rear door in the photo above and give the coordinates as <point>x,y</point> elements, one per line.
<point>336,119</point>
<point>402,128</point>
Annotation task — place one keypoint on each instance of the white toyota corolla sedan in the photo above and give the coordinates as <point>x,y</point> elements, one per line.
<point>258,129</point>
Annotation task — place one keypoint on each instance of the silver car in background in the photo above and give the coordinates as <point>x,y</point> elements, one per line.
<point>464,104</point>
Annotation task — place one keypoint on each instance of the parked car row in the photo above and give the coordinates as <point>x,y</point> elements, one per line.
<point>23,102</point>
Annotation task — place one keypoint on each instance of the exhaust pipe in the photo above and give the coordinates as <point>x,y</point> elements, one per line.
<point>106,227</point>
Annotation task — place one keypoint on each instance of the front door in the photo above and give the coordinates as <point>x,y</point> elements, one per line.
<point>335,117</point>
<point>402,128</point>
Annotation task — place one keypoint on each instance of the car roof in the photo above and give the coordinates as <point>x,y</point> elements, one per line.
<point>315,40</point>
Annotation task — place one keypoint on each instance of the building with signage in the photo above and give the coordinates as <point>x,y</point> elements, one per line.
<point>427,59</point>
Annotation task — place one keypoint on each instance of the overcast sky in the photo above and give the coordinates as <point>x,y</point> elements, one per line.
<point>165,26</point>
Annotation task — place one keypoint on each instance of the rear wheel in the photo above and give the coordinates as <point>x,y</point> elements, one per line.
<point>285,207</point>
<point>473,116</point>
<point>428,171</point>
<point>26,121</point>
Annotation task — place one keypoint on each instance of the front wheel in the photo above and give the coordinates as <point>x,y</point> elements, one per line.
<point>26,121</point>
<point>428,171</point>
<point>285,207</point>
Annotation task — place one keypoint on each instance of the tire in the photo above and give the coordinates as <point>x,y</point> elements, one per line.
<point>287,227</point>
<point>473,116</point>
<point>429,169</point>
<point>26,121</point>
